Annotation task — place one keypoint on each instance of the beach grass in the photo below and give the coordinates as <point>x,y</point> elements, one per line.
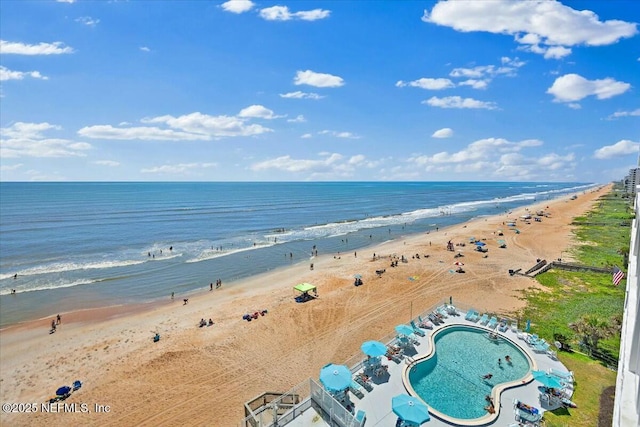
<point>601,238</point>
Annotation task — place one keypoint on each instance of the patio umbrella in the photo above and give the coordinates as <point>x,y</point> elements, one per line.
<point>374,348</point>
<point>335,377</point>
<point>546,379</point>
<point>357,276</point>
<point>410,409</point>
<point>404,330</point>
<point>458,263</point>
<point>480,243</point>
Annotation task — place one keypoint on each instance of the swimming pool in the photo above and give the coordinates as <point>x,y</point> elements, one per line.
<point>450,379</point>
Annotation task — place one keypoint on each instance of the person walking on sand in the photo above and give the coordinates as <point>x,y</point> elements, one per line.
<point>211,286</point>
<point>58,319</point>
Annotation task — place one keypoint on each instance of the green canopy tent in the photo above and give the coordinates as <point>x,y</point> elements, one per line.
<point>304,289</point>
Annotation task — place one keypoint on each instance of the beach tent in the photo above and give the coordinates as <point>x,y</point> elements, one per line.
<point>304,287</point>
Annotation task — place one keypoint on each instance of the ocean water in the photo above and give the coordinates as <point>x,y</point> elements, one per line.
<point>82,245</point>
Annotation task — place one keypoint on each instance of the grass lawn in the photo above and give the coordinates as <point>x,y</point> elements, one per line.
<point>602,240</point>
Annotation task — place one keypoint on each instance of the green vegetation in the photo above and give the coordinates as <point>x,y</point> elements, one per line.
<point>584,309</point>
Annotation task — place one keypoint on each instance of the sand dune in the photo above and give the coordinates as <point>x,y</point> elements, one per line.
<point>202,376</point>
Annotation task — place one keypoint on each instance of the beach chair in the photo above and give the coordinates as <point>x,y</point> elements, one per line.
<point>361,417</point>
<point>484,319</point>
<point>492,323</point>
<point>360,380</point>
<point>541,347</point>
<point>563,375</point>
<point>451,309</point>
<point>502,326</point>
<point>416,330</point>
<point>514,326</point>
<point>442,311</point>
<point>355,388</point>
<point>424,324</point>
<point>470,314</point>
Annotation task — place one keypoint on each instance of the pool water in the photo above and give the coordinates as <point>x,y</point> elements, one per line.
<point>450,381</point>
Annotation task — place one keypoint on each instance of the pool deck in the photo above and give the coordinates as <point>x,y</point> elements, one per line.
<point>376,403</point>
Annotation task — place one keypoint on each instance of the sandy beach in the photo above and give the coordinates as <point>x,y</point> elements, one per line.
<point>203,376</point>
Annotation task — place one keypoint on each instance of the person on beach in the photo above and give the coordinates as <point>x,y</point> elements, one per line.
<point>186,301</point>
<point>58,319</point>
<point>53,325</point>
<point>172,295</point>
<point>311,266</point>
<point>211,286</point>
<point>15,276</point>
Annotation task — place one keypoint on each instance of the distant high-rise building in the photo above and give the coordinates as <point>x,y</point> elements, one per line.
<point>632,181</point>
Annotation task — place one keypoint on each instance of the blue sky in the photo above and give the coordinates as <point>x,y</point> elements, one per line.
<point>314,90</point>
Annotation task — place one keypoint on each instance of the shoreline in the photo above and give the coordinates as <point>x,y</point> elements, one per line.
<point>237,360</point>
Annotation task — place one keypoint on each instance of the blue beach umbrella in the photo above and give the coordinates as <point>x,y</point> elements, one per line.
<point>357,276</point>
<point>546,379</point>
<point>526,329</point>
<point>410,409</point>
<point>373,348</point>
<point>335,377</point>
<point>480,243</point>
<point>404,330</point>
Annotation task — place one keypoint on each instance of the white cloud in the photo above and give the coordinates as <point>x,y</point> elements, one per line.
<point>298,119</point>
<point>540,26</point>
<point>573,87</point>
<point>347,135</point>
<point>556,52</point>
<point>574,105</point>
<point>478,150</point>
<point>458,102</point>
<point>55,48</point>
<point>237,6</point>
<point>288,164</point>
<point>110,163</point>
<point>88,21</point>
<point>66,1</point>
<point>189,127</point>
<point>619,149</point>
<point>428,83</point>
<point>11,168</point>
<point>29,140</point>
<point>624,114</point>
<point>282,13</point>
<point>306,136</point>
<point>312,78</point>
<point>476,84</point>
<point>301,95</point>
<point>499,158</point>
<point>443,133</point>
<point>257,111</point>
<point>145,49</point>
<point>178,169</point>
<point>7,74</point>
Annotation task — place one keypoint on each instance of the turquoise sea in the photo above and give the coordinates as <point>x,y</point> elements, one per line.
<point>82,245</point>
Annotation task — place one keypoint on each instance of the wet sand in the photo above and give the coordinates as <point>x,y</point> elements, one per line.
<point>203,376</point>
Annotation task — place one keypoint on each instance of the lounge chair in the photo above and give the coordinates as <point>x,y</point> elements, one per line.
<point>470,314</point>
<point>484,319</point>
<point>361,417</point>
<point>541,347</point>
<point>503,326</point>
<point>568,376</point>
<point>493,322</point>
<point>526,413</point>
<point>452,310</point>
<point>522,335</point>
<point>416,330</point>
<point>435,319</point>
<point>355,388</point>
<point>363,380</point>
<point>424,324</point>
<point>442,311</point>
